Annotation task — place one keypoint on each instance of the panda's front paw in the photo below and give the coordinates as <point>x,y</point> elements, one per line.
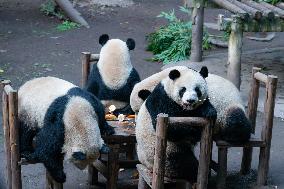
<point>59,176</point>
<point>211,114</point>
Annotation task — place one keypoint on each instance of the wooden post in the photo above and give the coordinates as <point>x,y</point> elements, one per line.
<point>52,184</point>
<point>266,134</point>
<point>6,129</point>
<point>205,156</point>
<point>86,56</point>
<point>232,7</point>
<point>222,172</point>
<point>160,152</point>
<point>251,112</point>
<point>265,11</point>
<point>280,5</point>
<point>256,14</point>
<point>235,51</point>
<point>14,140</point>
<point>72,13</point>
<point>92,175</point>
<point>197,31</point>
<point>113,167</point>
<point>130,153</point>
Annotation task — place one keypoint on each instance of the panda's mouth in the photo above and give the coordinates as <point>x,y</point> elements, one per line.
<point>189,106</point>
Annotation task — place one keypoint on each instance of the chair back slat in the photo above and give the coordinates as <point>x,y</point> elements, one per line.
<point>6,129</point>
<point>269,104</point>
<point>87,60</point>
<point>253,99</point>
<point>163,122</point>
<point>160,151</point>
<point>11,132</point>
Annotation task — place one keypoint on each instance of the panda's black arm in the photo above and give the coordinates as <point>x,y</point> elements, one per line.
<point>92,82</point>
<point>127,110</point>
<point>208,110</point>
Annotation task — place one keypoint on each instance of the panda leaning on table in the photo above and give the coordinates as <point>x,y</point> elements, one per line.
<point>64,121</point>
<point>232,123</point>
<point>177,97</point>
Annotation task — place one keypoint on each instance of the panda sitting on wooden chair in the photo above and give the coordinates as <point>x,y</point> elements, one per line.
<point>113,77</point>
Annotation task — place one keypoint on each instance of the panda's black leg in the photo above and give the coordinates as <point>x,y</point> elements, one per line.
<point>54,166</point>
<point>26,138</point>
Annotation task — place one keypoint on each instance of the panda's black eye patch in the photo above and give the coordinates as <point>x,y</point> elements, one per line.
<point>198,92</point>
<point>182,91</point>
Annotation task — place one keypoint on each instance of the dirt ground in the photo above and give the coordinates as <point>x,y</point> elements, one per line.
<point>30,47</point>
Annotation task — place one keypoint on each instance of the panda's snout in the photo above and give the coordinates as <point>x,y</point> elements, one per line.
<point>190,101</point>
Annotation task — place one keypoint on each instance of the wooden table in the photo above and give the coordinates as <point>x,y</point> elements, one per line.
<point>123,141</point>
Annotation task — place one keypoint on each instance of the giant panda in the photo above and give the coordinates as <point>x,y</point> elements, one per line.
<point>232,124</point>
<point>113,77</point>
<point>183,93</point>
<point>59,120</point>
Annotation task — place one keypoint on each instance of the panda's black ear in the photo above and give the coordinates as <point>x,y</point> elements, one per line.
<point>103,39</point>
<point>174,74</point>
<point>130,44</point>
<point>204,72</point>
<point>79,156</point>
<point>143,94</point>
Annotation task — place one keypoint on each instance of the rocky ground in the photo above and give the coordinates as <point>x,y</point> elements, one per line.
<point>30,46</point>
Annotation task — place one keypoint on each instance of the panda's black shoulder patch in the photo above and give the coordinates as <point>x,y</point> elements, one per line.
<point>143,94</point>
<point>96,86</point>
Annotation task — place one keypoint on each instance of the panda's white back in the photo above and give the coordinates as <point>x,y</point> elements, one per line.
<point>223,94</point>
<point>36,95</point>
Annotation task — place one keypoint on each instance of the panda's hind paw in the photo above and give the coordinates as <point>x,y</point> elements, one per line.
<point>59,176</point>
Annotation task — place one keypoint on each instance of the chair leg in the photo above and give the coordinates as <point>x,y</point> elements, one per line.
<point>263,166</point>
<point>222,172</point>
<point>142,184</point>
<point>130,151</point>
<point>246,161</point>
<point>92,175</point>
<point>113,167</point>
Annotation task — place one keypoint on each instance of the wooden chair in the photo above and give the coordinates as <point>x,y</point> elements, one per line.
<point>11,140</point>
<point>264,142</point>
<point>120,142</point>
<point>155,178</point>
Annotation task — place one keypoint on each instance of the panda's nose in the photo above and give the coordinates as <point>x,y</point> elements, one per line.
<point>190,101</point>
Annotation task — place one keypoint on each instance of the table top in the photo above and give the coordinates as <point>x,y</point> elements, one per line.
<point>124,132</point>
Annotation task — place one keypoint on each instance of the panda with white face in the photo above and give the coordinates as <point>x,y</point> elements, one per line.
<point>181,94</point>
<point>60,120</point>
<point>231,125</point>
<point>113,77</point>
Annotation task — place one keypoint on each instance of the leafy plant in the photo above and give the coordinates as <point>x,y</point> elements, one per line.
<point>172,42</point>
<point>50,9</point>
<point>67,25</point>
